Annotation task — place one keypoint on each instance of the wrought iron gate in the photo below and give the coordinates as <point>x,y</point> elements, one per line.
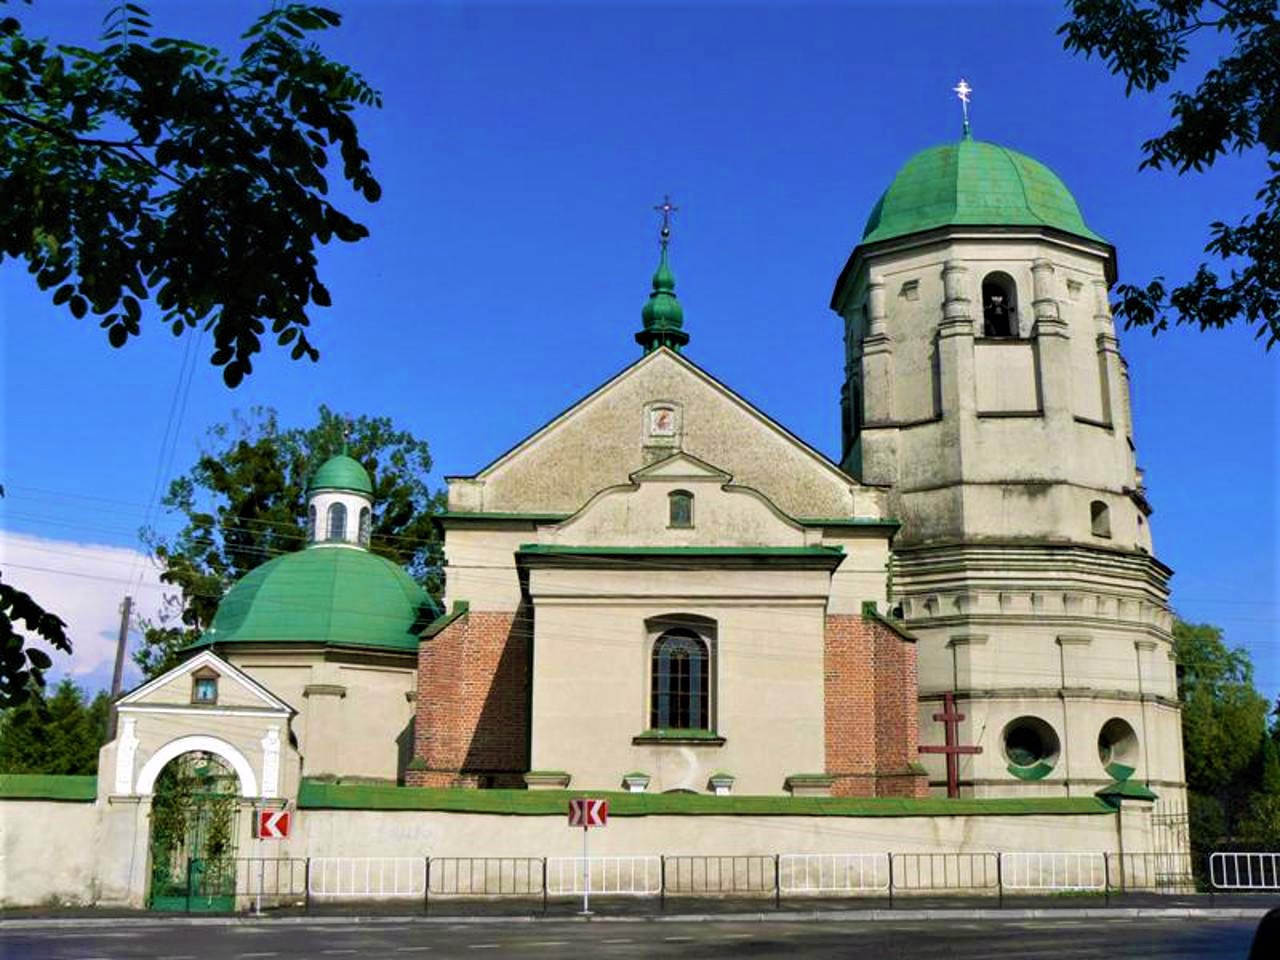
<point>194,835</point>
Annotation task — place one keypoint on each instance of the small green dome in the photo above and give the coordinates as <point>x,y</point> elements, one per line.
<point>324,594</point>
<point>973,183</point>
<point>342,473</point>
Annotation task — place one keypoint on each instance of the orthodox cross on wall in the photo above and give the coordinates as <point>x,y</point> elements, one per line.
<point>950,720</point>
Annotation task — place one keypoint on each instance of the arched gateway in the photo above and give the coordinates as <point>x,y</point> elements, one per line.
<point>199,748</point>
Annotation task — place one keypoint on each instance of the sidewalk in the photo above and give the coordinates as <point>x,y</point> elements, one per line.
<point>615,912</point>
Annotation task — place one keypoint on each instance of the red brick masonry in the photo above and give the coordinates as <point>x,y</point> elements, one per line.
<point>472,725</point>
<point>869,674</point>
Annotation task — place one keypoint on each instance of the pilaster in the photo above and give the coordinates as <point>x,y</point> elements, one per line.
<point>879,447</point>
<point>956,369</point>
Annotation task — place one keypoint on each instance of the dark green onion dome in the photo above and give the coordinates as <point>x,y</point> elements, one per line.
<point>662,314</point>
<point>342,473</point>
<point>973,183</point>
<point>328,594</point>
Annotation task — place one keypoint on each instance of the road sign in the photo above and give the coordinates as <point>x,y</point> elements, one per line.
<point>585,812</point>
<point>273,824</point>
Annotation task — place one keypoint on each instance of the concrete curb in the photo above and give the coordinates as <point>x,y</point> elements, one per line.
<point>784,916</point>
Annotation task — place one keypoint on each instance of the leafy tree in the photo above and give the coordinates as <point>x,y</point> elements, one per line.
<point>1234,108</point>
<point>245,503</point>
<point>22,666</point>
<point>59,733</point>
<point>1224,730</point>
<point>158,167</point>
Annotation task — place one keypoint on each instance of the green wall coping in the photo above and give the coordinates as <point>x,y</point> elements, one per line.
<point>47,786</point>
<point>314,795</point>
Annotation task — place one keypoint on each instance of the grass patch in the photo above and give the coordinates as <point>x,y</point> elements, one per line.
<point>542,803</point>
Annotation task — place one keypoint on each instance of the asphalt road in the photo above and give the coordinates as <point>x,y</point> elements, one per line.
<point>1052,939</point>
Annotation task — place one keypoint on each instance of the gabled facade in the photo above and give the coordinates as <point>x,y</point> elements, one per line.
<point>664,587</point>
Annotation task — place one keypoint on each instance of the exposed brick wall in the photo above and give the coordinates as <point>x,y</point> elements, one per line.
<point>472,724</point>
<point>869,679</point>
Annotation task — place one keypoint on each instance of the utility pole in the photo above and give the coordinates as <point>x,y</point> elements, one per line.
<point>117,675</point>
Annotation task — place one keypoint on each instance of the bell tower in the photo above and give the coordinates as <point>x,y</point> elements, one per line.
<point>985,389</point>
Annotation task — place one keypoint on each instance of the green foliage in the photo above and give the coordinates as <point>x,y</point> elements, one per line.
<point>22,666</point>
<point>245,503</point>
<point>58,734</point>
<point>1235,108</point>
<point>154,167</point>
<point>1232,764</point>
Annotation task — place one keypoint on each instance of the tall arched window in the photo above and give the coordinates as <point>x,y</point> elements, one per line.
<point>337,522</point>
<point>999,306</point>
<point>681,682</point>
<point>365,524</point>
<point>680,508</point>
<point>311,524</point>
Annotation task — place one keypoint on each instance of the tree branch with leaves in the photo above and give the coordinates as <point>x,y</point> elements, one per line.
<point>155,168</point>
<point>1234,109</point>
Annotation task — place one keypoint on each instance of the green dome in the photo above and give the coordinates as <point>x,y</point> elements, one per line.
<point>973,183</point>
<point>324,594</point>
<point>342,473</point>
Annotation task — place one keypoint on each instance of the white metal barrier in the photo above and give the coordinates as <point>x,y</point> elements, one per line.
<point>368,878</point>
<point>1054,871</point>
<point>1244,871</point>
<point>833,872</point>
<point>619,876</point>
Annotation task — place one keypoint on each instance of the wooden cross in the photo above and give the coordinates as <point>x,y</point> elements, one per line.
<point>953,750</point>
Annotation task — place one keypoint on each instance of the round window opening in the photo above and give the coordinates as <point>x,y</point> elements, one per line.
<point>1118,748</point>
<point>1031,747</point>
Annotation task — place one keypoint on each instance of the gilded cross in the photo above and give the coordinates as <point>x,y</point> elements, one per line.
<point>962,90</point>
<point>666,208</point>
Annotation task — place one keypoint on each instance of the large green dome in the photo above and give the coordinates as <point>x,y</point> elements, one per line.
<point>335,595</point>
<point>973,183</point>
<point>342,473</point>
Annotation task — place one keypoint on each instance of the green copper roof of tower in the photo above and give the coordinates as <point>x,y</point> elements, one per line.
<point>662,314</point>
<point>335,595</point>
<point>341,473</point>
<point>973,183</point>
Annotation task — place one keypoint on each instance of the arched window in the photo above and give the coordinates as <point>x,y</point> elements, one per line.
<point>311,524</point>
<point>365,523</point>
<point>680,508</point>
<point>999,306</point>
<point>337,522</point>
<point>681,673</point>
<point>1100,519</point>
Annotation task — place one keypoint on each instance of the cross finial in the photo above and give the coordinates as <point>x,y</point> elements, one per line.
<point>346,434</point>
<point>962,90</point>
<point>666,208</point>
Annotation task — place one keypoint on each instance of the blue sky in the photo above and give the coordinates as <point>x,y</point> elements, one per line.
<point>521,149</point>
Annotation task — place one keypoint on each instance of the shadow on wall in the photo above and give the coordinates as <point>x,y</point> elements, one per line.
<point>498,755</point>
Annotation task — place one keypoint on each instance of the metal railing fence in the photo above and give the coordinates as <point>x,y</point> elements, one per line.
<point>821,873</point>
<point>1244,870</point>
<point>274,883</point>
<point>639,876</point>
<point>368,878</point>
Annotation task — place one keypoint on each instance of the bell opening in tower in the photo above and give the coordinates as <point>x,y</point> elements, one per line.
<point>999,306</point>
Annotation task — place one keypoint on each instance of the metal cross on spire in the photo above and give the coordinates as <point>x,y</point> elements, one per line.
<point>666,208</point>
<point>962,90</point>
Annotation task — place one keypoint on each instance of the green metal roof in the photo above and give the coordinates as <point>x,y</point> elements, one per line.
<point>973,183</point>
<point>335,595</point>
<point>342,473</point>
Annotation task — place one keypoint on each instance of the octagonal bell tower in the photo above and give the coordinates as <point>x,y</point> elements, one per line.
<point>985,389</point>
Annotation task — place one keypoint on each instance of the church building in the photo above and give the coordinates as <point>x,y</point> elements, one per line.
<point>665,590</point>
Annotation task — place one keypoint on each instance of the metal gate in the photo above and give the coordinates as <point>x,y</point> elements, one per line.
<point>194,835</point>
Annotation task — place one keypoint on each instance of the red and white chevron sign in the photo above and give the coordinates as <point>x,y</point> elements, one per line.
<point>273,824</point>
<point>584,812</point>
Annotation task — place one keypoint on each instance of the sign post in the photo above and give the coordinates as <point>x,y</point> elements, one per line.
<point>269,825</point>
<point>587,813</point>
